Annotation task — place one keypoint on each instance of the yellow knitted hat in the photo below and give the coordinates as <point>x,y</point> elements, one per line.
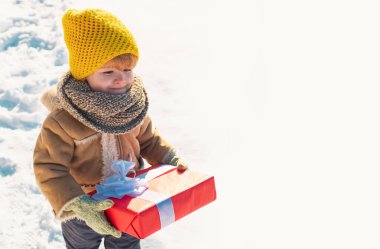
<point>93,37</point>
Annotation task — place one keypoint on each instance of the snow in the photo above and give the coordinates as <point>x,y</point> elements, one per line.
<point>277,99</point>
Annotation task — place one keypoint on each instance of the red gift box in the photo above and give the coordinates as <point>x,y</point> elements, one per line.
<point>175,193</point>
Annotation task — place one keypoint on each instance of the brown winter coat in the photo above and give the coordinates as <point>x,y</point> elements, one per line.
<point>69,155</point>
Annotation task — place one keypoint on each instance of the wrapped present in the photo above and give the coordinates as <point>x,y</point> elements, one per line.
<point>168,196</point>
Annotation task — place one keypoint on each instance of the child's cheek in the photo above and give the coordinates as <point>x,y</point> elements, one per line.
<point>129,77</point>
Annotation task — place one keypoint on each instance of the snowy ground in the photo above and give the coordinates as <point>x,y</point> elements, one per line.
<point>277,99</point>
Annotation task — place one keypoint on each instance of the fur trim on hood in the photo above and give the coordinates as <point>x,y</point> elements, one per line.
<point>50,99</point>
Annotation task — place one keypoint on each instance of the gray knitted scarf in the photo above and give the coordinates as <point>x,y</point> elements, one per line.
<point>103,112</point>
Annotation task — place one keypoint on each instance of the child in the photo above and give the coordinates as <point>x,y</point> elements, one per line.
<point>98,115</point>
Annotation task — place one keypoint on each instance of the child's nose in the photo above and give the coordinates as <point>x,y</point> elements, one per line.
<point>119,78</point>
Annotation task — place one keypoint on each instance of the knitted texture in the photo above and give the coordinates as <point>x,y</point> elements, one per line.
<point>93,37</point>
<point>103,112</point>
<point>172,158</point>
<point>91,211</point>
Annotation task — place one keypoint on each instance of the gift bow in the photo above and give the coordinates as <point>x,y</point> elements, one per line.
<point>119,184</point>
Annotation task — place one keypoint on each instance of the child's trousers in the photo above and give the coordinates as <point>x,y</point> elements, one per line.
<point>78,235</point>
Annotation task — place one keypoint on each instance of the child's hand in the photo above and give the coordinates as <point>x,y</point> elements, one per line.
<point>177,161</point>
<point>182,166</point>
<point>91,211</point>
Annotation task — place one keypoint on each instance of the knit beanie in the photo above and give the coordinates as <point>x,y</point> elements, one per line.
<point>93,37</point>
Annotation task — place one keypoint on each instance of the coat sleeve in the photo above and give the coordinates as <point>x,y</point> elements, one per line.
<point>52,156</point>
<point>153,147</point>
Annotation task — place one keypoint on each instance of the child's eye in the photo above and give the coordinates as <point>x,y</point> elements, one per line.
<point>108,72</point>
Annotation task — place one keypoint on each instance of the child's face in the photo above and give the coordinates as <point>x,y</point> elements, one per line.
<point>114,77</point>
